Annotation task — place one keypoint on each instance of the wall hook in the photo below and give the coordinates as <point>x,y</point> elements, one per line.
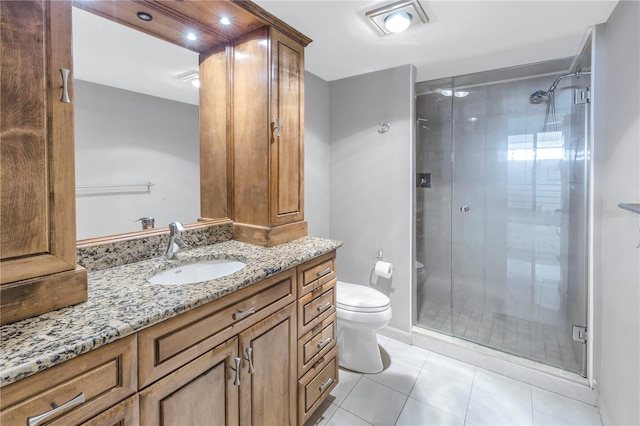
<point>384,127</point>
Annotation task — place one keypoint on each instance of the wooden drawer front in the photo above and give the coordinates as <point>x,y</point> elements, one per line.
<point>315,307</point>
<point>125,413</point>
<point>171,344</point>
<point>316,343</point>
<point>103,377</point>
<point>316,273</point>
<point>315,386</point>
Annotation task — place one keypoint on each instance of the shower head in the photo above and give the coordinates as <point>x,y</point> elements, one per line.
<point>538,97</point>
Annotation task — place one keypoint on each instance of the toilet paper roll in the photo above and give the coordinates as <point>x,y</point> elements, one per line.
<point>384,269</point>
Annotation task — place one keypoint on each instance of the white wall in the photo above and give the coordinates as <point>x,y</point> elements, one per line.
<point>371,180</point>
<point>316,155</point>
<point>617,175</point>
<point>123,138</point>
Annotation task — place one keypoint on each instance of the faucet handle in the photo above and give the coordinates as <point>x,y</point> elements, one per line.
<point>175,228</point>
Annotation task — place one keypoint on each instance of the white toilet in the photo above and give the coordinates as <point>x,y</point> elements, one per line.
<point>361,311</point>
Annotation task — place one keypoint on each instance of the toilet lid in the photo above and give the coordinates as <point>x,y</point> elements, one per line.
<point>360,298</point>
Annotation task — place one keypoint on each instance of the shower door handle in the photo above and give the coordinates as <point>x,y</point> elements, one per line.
<point>464,209</point>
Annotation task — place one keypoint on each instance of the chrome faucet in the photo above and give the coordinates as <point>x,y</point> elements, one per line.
<point>175,240</point>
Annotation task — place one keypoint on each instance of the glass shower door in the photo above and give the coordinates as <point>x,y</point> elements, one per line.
<point>514,192</point>
<point>501,210</point>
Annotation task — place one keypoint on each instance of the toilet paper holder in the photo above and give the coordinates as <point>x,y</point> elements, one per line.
<point>376,260</point>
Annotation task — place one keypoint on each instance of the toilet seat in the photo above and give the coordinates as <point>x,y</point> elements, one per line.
<point>360,298</point>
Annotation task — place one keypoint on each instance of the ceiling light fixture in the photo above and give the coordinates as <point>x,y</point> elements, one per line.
<point>224,20</point>
<point>192,77</point>
<point>398,16</point>
<point>397,22</point>
<point>192,37</point>
<point>144,16</point>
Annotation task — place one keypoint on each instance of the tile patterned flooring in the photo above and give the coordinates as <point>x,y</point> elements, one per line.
<point>420,387</point>
<point>546,343</point>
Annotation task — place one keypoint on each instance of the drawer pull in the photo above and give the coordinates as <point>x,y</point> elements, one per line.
<point>236,381</point>
<point>323,272</point>
<point>325,342</point>
<point>35,420</point>
<point>249,358</point>
<point>241,314</point>
<point>326,384</point>
<point>324,307</point>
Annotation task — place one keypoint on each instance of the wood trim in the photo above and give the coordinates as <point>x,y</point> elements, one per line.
<point>273,21</point>
<point>28,298</point>
<point>62,196</point>
<point>269,236</point>
<point>33,266</point>
<point>202,223</point>
<point>214,134</point>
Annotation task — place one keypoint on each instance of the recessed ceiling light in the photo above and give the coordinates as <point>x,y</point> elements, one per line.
<point>446,92</point>
<point>397,17</point>
<point>192,37</point>
<point>224,20</point>
<point>461,93</point>
<point>144,16</point>
<point>397,22</point>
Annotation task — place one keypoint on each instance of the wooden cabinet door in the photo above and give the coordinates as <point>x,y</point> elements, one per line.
<point>203,392</point>
<point>125,413</point>
<point>286,157</point>
<point>268,390</point>
<point>37,231</point>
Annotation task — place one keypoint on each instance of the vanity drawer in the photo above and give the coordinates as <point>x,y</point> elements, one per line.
<point>171,344</point>
<point>316,272</point>
<point>316,343</point>
<point>88,385</point>
<point>315,386</point>
<point>316,306</point>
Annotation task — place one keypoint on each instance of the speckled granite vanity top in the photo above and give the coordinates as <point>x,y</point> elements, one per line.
<point>121,301</point>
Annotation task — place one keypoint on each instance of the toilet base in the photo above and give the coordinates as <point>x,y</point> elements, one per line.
<point>358,350</point>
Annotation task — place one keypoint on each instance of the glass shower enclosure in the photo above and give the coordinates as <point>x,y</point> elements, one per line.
<point>501,209</point>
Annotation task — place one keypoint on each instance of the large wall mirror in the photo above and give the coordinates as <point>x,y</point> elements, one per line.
<point>136,128</point>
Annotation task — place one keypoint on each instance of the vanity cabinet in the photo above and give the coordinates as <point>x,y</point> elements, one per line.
<point>317,332</point>
<point>245,358</point>
<point>37,205</point>
<point>268,146</point>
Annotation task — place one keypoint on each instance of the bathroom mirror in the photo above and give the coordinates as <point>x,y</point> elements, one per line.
<point>136,128</point>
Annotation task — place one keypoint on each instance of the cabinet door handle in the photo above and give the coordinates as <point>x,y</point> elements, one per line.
<point>325,342</point>
<point>241,314</point>
<point>324,307</point>
<point>236,381</point>
<point>65,86</point>
<point>277,127</point>
<point>323,272</point>
<point>326,384</point>
<point>249,358</point>
<point>35,420</point>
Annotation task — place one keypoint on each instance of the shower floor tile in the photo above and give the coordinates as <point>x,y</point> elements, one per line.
<point>544,343</point>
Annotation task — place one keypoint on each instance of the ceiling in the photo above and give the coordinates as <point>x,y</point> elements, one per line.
<point>462,37</point>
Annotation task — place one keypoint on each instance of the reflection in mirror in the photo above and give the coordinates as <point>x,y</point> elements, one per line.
<point>136,121</point>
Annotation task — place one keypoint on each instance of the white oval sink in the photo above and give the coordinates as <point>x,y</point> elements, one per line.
<point>197,272</point>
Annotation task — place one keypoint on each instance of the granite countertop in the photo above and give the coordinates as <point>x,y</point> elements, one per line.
<point>121,302</point>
